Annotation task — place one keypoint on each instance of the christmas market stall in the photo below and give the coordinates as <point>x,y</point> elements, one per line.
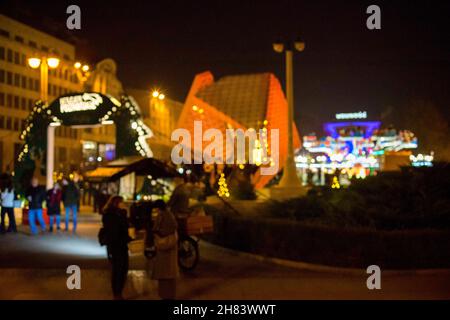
<point>133,177</point>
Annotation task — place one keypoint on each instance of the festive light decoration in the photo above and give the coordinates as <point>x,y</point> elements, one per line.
<point>126,115</point>
<point>223,187</point>
<point>422,160</point>
<point>152,186</point>
<point>350,144</point>
<point>197,109</point>
<point>335,183</point>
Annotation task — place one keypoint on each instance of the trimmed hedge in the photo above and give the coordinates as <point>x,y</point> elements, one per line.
<point>415,198</point>
<point>342,247</point>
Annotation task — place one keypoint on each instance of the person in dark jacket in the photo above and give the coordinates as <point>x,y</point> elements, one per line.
<point>35,196</point>
<point>54,196</point>
<point>116,227</point>
<point>71,198</point>
<point>101,198</point>
<point>179,200</point>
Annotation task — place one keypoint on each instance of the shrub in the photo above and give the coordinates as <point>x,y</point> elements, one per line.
<point>345,247</point>
<point>412,199</point>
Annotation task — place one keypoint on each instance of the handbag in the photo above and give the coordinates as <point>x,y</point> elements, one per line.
<point>102,237</point>
<point>166,243</point>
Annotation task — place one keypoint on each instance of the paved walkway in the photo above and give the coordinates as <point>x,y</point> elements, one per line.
<point>35,268</point>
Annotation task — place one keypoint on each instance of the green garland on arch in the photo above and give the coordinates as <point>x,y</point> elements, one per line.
<point>131,135</point>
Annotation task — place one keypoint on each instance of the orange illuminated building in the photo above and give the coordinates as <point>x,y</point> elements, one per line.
<point>239,102</point>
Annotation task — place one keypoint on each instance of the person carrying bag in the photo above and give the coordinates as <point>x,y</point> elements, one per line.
<point>165,268</point>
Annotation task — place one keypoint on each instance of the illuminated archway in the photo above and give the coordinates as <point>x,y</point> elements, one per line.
<point>87,108</point>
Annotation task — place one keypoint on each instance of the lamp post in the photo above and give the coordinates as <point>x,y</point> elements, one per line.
<point>156,99</point>
<point>157,94</point>
<point>290,185</point>
<point>45,63</point>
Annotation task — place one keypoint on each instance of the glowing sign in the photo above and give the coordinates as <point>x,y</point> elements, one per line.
<point>82,102</point>
<point>352,115</point>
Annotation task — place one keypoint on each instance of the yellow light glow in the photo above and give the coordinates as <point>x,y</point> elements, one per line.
<point>155,94</point>
<point>257,156</point>
<point>161,96</point>
<point>85,68</point>
<point>223,188</point>
<point>77,65</point>
<point>34,62</point>
<point>266,122</point>
<point>335,183</point>
<point>194,108</point>
<point>201,111</point>
<point>53,62</point>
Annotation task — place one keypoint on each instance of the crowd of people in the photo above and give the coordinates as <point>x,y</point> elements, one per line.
<point>68,194</point>
<point>37,198</point>
<point>161,235</point>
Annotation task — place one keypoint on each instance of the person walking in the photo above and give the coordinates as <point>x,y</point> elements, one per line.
<point>7,203</point>
<point>179,200</point>
<point>54,196</point>
<point>71,198</point>
<point>115,224</point>
<point>35,195</point>
<point>165,268</point>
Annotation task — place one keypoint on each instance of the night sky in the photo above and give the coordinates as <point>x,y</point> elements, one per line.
<point>345,67</point>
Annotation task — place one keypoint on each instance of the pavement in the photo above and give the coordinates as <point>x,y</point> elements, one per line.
<point>34,267</point>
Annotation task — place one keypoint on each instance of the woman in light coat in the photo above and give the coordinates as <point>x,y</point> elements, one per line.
<point>165,268</point>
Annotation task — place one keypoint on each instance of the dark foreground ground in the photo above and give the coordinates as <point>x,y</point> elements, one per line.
<point>35,268</point>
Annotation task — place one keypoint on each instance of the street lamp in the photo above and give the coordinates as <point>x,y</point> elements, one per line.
<point>34,62</point>
<point>82,70</point>
<point>290,183</point>
<point>44,63</point>
<point>53,62</point>
<point>157,94</point>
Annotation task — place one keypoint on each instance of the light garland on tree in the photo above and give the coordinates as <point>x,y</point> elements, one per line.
<point>223,187</point>
<point>335,184</point>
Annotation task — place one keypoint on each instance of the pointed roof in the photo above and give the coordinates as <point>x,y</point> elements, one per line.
<point>242,97</point>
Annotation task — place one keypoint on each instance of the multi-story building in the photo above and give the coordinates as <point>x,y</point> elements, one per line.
<point>20,88</point>
<point>161,115</point>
